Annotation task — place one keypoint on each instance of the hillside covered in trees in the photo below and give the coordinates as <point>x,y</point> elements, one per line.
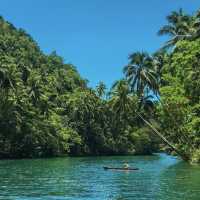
<point>47,109</point>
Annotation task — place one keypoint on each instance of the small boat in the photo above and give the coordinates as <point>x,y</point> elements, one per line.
<point>120,168</point>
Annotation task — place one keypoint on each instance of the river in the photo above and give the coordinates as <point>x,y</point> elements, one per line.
<point>160,177</point>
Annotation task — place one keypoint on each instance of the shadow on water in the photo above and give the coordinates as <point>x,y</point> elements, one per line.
<point>160,177</point>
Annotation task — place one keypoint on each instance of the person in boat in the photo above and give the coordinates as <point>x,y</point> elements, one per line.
<point>126,165</point>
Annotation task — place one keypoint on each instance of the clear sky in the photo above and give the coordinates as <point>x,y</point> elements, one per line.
<point>95,35</point>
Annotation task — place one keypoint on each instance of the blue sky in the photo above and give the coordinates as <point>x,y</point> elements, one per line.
<point>95,35</point>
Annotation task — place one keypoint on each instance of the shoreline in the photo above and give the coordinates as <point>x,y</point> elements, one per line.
<point>84,156</point>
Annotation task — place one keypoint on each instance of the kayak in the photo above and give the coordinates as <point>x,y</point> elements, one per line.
<point>120,168</point>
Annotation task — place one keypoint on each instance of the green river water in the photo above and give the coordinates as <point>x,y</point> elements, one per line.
<point>160,177</point>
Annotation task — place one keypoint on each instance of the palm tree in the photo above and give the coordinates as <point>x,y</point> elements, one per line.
<point>142,78</point>
<point>121,104</point>
<point>179,27</point>
<point>100,89</point>
<point>120,97</point>
<point>140,74</point>
<point>35,86</point>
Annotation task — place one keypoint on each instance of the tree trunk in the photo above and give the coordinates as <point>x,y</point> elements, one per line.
<point>181,154</point>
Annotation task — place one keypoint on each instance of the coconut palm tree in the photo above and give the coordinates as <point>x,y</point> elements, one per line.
<point>121,103</point>
<point>120,97</point>
<point>100,89</point>
<point>140,74</point>
<point>179,27</point>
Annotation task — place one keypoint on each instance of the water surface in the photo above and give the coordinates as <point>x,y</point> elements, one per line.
<point>160,177</point>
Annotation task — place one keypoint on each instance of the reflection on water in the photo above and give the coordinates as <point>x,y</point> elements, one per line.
<point>160,177</point>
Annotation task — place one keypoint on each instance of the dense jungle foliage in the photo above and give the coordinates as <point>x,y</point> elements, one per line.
<point>47,109</point>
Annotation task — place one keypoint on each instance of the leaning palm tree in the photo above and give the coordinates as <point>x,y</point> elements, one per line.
<point>122,101</point>
<point>142,79</point>
<point>179,27</point>
<point>140,74</point>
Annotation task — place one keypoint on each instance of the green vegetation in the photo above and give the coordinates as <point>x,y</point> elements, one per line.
<point>178,114</point>
<point>47,109</point>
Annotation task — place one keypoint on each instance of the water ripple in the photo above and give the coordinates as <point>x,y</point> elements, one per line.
<point>160,177</point>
